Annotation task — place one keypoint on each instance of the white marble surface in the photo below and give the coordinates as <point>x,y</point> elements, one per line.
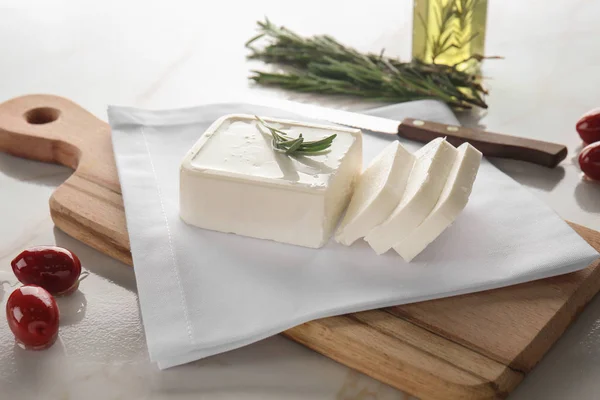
<point>150,54</point>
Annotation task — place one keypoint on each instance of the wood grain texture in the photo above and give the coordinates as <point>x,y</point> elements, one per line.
<point>490,144</point>
<point>88,206</point>
<point>476,346</point>
<point>406,356</point>
<point>482,321</point>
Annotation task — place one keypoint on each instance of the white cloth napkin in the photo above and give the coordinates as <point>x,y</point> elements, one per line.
<point>204,292</point>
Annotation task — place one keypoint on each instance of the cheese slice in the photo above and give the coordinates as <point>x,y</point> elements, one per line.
<point>232,180</point>
<point>452,201</point>
<point>377,193</point>
<point>425,184</point>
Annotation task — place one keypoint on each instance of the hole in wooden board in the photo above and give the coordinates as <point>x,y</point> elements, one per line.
<point>42,115</point>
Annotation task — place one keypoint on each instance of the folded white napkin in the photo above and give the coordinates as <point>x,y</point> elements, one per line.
<point>204,292</point>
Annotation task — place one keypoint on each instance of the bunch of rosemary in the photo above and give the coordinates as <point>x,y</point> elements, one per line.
<point>323,65</point>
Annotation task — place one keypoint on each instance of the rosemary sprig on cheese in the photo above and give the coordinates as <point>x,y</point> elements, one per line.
<point>292,146</point>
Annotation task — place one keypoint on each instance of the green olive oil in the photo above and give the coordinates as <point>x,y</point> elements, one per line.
<point>448,31</point>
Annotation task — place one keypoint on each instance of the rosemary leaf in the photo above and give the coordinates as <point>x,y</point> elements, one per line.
<point>320,64</point>
<point>282,142</point>
<point>323,142</point>
<point>295,145</point>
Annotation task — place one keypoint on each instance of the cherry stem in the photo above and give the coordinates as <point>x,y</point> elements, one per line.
<point>83,275</point>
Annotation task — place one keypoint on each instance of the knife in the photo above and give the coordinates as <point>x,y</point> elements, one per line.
<point>490,144</point>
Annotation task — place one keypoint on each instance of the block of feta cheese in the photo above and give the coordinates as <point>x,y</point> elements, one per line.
<point>378,192</point>
<point>232,180</point>
<point>423,189</point>
<point>452,201</point>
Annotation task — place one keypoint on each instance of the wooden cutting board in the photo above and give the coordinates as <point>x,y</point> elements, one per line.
<point>476,346</point>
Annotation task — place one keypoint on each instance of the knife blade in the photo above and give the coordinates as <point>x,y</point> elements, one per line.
<point>490,144</point>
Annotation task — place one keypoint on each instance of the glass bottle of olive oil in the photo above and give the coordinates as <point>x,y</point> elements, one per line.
<point>448,31</point>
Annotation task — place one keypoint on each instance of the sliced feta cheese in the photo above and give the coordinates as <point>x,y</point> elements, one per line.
<point>232,180</point>
<point>425,183</point>
<point>377,193</point>
<point>452,201</point>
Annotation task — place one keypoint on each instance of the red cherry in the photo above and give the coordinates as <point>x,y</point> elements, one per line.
<point>33,316</point>
<point>588,126</point>
<point>589,161</point>
<point>55,269</point>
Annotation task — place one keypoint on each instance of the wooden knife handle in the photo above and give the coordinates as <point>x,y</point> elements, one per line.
<point>490,144</point>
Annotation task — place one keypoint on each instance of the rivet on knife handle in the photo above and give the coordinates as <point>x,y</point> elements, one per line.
<point>490,144</point>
